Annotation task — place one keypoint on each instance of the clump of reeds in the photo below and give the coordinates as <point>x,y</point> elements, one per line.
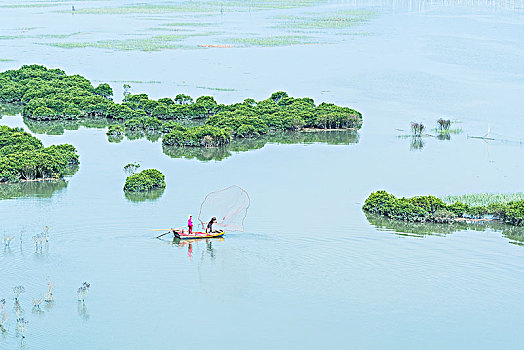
<point>417,129</point>
<point>17,291</point>
<point>7,240</point>
<point>82,291</point>
<point>50,287</point>
<point>37,302</point>
<point>131,168</point>
<point>3,315</point>
<point>38,240</point>
<point>444,124</point>
<point>46,233</point>
<point>21,327</point>
<point>484,199</point>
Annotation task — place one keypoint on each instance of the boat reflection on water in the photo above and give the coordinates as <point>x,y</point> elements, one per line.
<point>191,243</point>
<point>416,229</point>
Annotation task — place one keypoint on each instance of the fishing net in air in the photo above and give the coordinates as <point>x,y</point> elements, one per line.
<point>229,206</point>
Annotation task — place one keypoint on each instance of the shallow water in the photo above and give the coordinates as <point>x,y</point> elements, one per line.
<point>311,269</point>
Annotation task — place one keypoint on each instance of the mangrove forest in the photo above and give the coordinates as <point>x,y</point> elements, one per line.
<point>52,95</point>
<point>433,209</point>
<point>23,157</point>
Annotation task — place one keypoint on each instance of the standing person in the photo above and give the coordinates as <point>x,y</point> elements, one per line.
<point>209,227</point>
<point>190,224</point>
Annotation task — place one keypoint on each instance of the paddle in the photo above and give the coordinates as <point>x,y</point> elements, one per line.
<point>163,234</point>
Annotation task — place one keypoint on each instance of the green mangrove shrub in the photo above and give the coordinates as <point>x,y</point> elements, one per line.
<point>115,130</point>
<point>433,209</point>
<point>146,180</point>
<point>23,157</point>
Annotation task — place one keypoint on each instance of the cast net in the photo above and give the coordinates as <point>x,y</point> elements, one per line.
<point>229,206</point>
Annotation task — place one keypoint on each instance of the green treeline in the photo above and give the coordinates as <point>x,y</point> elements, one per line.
<point>50,94</point>
<point>433,209</point>
<point>146,180</point>
<point>23,157</point>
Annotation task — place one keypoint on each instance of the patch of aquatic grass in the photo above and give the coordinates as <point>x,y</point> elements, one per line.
<point>279,4</point>
<point>215,88</point>
<point>484,199</point>
<point>188,6</point>
<point>35,5</point>
<point>282,40</point>
<point>341,20</point>
<point>55,36</point>
<point>155,43</point>
<point>6,60</point>
<point>129,81</point>
<point>188,24</point>
<point>11,37</point>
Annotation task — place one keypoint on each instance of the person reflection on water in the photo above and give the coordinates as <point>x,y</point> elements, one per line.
<point>209,228</point>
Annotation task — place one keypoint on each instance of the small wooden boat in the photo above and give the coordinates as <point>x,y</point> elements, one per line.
<point>183,234</point>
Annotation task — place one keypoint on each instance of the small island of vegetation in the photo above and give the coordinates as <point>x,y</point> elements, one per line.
<point>24,158</point>
<point>433,209</point>
<point>146,180</point>
<point>52,95</point>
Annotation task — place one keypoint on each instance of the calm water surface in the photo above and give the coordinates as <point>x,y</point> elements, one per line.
<point>310,270</point>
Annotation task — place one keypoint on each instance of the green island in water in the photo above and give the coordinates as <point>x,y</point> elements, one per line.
<point>430,209</point>
<point>24,158</point>
<point>52,95</point>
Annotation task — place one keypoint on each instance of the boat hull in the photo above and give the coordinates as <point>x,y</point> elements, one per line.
<point>198,235</point>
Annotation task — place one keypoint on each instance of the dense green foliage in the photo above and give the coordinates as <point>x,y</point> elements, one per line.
<point>433,209</point>
<point>50,94</point>
<point>23,157</point>
<point>146,180</point>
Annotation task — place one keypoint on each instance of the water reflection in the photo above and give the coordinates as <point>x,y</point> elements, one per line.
<point>403,228</point>
<point>10,109</point>
<point>58,127</point>
<point>83,312</point>
<point>342,137</point>
<point>43,189</point>
<point>191,243</point>
<point>144,196</point>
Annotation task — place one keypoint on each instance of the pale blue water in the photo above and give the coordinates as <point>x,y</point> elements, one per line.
<point>309,271</point>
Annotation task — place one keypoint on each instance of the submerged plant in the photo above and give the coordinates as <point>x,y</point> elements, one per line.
<point>37,302</point>
<point>50,287</point>
<point>17,291</point>
<point>83,290</point>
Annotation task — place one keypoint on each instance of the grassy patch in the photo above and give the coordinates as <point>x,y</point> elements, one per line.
<point>484,199</point>
<point>215,88</point>
<point>282,40</point>
<point>6,60</point>
<point>155,43</point>
<point>188,6</point>
<point>34,5</point>
<point>341,20</point>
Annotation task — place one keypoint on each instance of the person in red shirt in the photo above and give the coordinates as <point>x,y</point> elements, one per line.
<point>190,224</point>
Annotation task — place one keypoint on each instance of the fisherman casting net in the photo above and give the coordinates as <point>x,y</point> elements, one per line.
<point>229,206</point>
